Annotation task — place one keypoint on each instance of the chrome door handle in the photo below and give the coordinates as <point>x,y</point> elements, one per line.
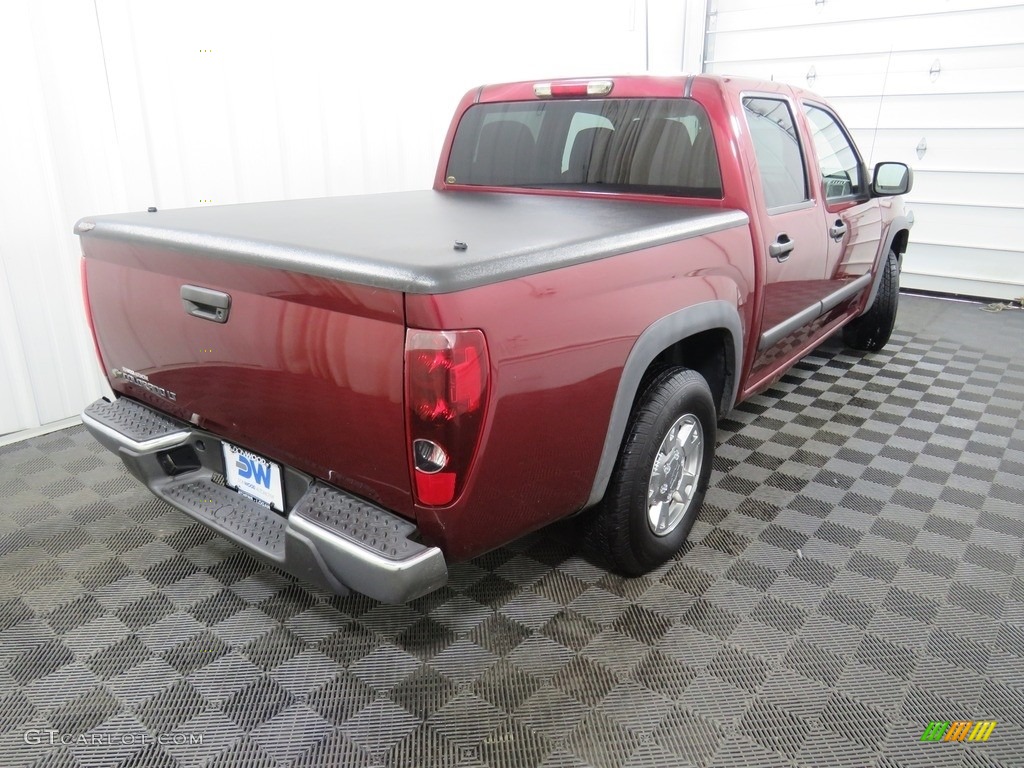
<point>781,248</point>
<point>837,230</point>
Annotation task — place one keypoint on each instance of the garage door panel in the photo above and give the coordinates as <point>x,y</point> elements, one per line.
<point>998,26</point>
<point>914,82</point>
<point>974,271</point>
<point>966,286</point>
<point>878,79</point>
<point>936,71</point>
<point>969,110</point>
<point>938,86</point>
<point>967,225</point>
<point>756,14</point>
<point>795,71</point>
<point>977,189</point>
<point>982,151</point>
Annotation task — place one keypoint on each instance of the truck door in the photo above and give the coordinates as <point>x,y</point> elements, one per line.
<point>852,217</point>
<point>794,240</point>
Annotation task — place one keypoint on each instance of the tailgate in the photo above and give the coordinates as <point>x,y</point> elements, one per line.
<point>305,370</point>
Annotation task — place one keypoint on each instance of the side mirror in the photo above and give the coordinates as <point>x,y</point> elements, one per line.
<point>891,179</point>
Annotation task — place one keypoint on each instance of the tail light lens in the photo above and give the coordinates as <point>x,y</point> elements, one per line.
<point>446,380</point>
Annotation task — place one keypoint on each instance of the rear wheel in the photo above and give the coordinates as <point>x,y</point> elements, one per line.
<point>660,478</point>
<point>871,331</point>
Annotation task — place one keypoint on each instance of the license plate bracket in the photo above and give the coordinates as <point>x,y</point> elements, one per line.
<point>254,476</point>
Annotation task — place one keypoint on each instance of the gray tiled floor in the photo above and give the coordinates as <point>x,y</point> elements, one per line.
<point>857,573</point>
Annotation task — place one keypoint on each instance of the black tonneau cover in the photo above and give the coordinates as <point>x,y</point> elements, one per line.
<point>406,241</point>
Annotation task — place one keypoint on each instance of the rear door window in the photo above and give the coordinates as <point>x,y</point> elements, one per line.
<point>776,143</point>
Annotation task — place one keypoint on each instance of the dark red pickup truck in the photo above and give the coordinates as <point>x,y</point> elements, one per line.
<point>362,389</point>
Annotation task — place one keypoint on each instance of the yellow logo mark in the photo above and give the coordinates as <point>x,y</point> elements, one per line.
<point>982,730</point>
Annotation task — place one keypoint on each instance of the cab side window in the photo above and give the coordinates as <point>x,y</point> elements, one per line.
<point>777,147</point>
<point>840,165</point>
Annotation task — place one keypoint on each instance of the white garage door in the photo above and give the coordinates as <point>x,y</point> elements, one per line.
<point>936,85</point>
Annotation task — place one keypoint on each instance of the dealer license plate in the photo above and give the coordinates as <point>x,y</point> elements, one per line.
<point>253,476</point>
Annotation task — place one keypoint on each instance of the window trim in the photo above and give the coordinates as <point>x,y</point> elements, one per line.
<point>790,207</point>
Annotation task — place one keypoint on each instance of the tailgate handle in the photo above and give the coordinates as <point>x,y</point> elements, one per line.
<point>206,303</point>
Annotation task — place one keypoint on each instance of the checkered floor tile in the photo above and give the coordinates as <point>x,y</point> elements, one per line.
<point>856,574</point>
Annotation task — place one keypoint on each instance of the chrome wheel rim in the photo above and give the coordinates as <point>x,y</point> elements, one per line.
<point>674,476</point>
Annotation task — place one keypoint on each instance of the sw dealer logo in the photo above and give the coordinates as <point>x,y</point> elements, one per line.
<point>959,731</point>
<point>251,470</point>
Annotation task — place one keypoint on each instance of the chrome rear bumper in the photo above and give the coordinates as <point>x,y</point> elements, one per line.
<point>329,537</point>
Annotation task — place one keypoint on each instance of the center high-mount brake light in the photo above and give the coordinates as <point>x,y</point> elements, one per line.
<point>577,88</point>
<point>446,386</point>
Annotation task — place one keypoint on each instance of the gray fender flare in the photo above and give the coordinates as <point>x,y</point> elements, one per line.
<point>897,225</point>
<point>706,316</point>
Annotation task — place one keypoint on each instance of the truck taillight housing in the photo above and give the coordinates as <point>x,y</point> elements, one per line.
<point>446,386</point>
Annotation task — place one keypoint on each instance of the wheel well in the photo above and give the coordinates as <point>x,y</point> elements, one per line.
<point>900,242</point>
<point>709,353</point>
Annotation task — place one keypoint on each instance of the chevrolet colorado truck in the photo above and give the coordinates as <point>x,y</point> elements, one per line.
<point>361,390</point>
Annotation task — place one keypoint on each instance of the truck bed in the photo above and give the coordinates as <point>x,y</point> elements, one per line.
<point>406,241</point>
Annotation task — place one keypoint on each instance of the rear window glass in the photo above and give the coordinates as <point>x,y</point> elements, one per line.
<point>657,146</point>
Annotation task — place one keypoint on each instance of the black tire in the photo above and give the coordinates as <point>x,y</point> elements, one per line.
<point>871,331</point>
<point>618,532</point>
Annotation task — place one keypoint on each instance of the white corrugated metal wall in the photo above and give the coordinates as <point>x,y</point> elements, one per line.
<point>939,85</point>
<point>57,159</point>
<point>114,105</point>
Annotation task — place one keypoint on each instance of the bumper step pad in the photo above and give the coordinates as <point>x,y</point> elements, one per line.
<point>232,514</point>
<point>330,537</point>
<point>363,523</point>
<point>135,422</point>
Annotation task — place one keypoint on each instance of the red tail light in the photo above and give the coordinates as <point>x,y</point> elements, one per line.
<point>446,379</point>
